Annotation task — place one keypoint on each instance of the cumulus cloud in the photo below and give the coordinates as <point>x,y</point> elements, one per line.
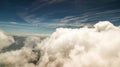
<point>84,47</point>
<point>5,40</point>
<point>18,58</point>
<point>81,47</point>
<point>31,41</point>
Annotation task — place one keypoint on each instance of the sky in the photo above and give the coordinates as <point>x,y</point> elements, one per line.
<point>44,16</point>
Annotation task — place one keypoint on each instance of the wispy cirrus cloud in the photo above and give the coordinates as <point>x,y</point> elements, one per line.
<point>84,19</point>
<point>14,23</point>
<point>38,4</point>
<point>68,21</point>
<point>77,25</point>
<point>72,21</point>
<point>27,12</point>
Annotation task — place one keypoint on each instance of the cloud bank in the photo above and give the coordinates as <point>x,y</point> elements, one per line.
<point>66,47</point>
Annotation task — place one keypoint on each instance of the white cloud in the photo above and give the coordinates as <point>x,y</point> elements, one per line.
<point>18,58</point>
<point>31,41</point>
<point>5,40</point>
<point>84,47</point>
<point>66,47</point>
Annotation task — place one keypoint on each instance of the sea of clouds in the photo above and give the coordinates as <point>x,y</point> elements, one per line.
<point>66,47</point>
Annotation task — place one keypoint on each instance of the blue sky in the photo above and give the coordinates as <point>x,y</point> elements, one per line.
<point>44,16</point>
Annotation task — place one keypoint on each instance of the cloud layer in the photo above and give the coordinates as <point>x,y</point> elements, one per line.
<point>66,47</point>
